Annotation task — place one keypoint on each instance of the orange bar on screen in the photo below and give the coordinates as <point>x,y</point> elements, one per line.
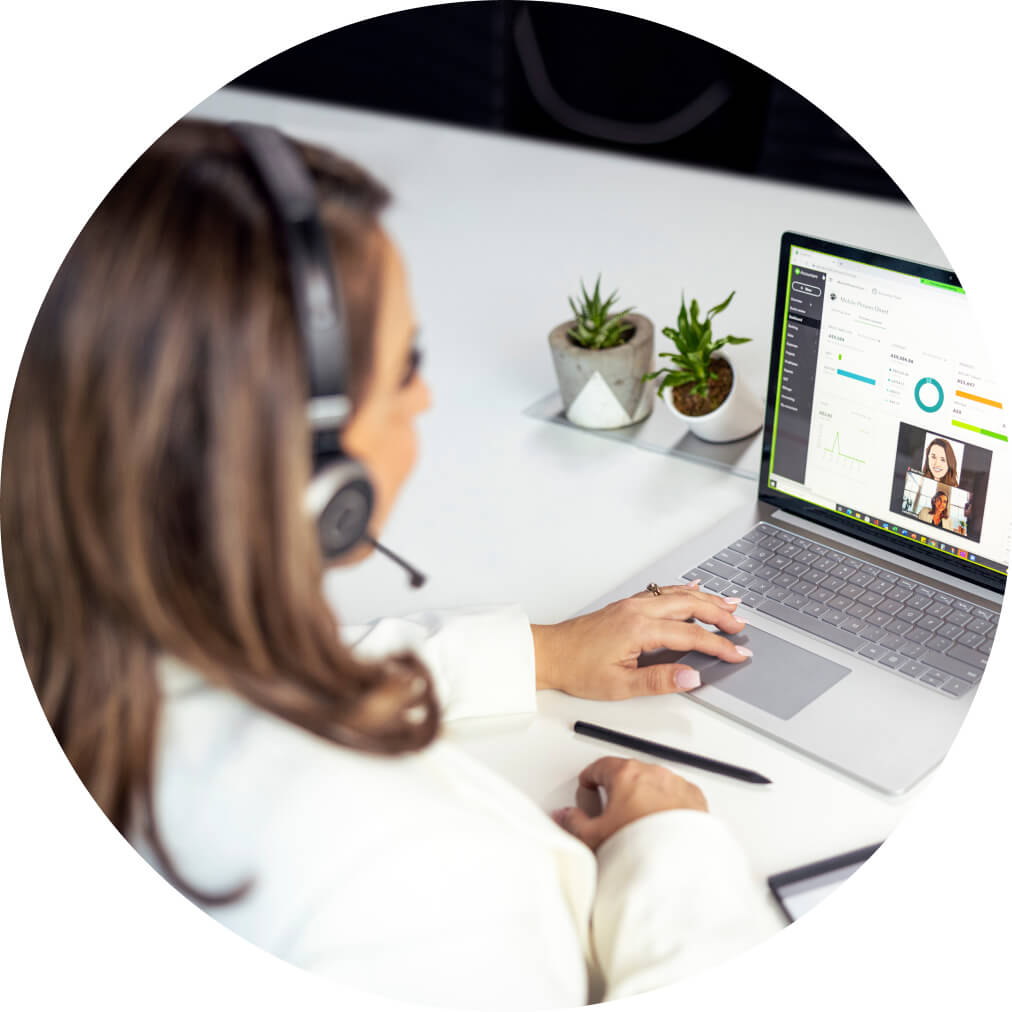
<point>979,400</point>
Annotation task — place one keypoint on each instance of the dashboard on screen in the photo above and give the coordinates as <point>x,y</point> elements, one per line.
<point>886,413</point>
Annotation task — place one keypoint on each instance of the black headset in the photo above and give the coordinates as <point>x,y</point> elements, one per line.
<point>340,495</point>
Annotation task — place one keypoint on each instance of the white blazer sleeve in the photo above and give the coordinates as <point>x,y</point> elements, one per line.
<point>482,660</point>
<point>675,895</point>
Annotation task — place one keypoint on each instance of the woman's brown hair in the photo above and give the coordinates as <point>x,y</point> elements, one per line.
<point>941,492</point>
<point>154,468</point>
<point>950,477</point>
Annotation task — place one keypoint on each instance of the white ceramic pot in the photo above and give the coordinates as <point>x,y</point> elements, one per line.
<point>740,415</point>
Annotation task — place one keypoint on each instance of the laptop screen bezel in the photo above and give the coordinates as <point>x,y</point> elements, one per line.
<point>867,533</point>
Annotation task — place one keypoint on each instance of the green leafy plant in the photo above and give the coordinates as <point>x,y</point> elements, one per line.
<point>693,339</point>
<point>596,325</point>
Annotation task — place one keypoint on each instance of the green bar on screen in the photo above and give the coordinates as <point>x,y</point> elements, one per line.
<point>980,431</point>
<point>941,284</point>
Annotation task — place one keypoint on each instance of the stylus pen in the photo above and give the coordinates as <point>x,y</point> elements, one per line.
<point>675,755</point>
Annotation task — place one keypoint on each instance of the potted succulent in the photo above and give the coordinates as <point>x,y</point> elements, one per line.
<point>700,387</point>
<point>600,357</point>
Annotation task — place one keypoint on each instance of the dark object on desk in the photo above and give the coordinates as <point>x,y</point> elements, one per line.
<point>799,889</point>
<point>534,69</point>
<point>675,755</point>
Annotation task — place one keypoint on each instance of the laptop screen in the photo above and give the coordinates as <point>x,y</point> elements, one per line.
<point>883,412</point>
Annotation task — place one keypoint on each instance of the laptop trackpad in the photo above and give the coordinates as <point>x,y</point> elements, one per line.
<point>780,678</point>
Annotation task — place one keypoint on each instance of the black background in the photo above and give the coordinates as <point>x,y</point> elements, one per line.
<point>470,64</point>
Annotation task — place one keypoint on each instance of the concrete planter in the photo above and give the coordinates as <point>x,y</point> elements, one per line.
<point>603,389</point>
<point>737,416</point>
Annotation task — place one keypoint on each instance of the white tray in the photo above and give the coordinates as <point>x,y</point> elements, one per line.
<point>661,432</point>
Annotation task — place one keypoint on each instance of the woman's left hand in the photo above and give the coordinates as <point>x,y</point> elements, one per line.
<point>596,656</point>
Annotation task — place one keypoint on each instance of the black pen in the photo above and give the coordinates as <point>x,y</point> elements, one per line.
<point>675,755</point>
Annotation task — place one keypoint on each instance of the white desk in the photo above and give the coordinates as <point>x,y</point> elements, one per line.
<point>503,507</point>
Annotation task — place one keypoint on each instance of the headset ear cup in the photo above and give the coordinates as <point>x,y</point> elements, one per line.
<point>341,498</point>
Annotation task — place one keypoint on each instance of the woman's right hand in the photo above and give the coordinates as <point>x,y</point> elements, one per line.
<point>597,656</point>
<point>633,789</point>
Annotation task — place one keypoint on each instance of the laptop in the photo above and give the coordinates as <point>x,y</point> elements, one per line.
<point>872,565</point>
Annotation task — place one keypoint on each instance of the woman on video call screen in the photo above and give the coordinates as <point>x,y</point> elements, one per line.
<point>940,481</point>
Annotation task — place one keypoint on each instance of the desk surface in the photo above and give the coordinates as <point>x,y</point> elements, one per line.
<point>504,507</point>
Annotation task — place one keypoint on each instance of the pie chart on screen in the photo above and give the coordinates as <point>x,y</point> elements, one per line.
<point>928,394</point>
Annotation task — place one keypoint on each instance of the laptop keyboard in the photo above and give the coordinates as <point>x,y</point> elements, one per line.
<point>930,637</point>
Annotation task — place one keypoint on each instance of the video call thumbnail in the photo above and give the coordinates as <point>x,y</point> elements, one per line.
<point>935,503</point>
<point>940,481</point>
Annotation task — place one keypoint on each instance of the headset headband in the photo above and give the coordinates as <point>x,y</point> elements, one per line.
<point>318,308</point>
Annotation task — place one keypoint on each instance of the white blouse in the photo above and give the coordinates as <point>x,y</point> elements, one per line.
<point>428,877</point>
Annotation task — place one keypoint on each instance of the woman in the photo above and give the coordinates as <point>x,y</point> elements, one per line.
<point>165,581</point>
<point>940,462</point>
<point>938,514</point>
